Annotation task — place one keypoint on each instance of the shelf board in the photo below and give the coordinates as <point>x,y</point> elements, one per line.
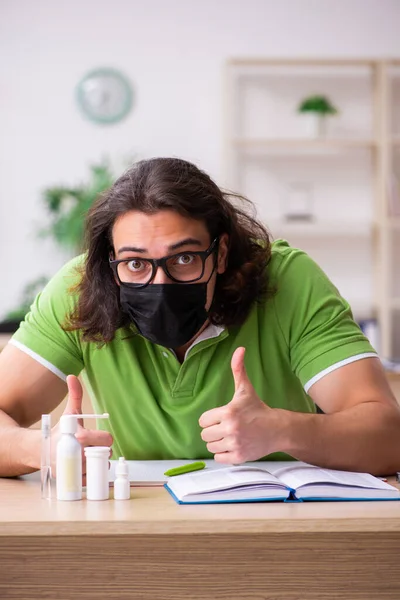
<point>318,229</point>
<point>301,62</point>
<point>302,145</point>
<point>328,142</point>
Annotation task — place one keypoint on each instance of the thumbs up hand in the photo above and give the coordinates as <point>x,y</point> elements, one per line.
<point>242,429</point>
<point>86,437</point>
<point>75,395</point>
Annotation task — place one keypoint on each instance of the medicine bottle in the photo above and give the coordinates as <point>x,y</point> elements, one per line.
<point>69,461</point>
<point>97,484</point>
<point>69,458</point>
<point>122,490</point>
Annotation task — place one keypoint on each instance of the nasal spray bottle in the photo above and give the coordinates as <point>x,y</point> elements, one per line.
<point>69,458</point>
<point>122,490</point>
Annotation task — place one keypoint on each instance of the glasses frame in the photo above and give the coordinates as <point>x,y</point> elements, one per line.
<point>162,262</point>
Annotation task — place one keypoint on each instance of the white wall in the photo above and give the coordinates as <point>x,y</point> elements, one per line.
<point>173,51</point>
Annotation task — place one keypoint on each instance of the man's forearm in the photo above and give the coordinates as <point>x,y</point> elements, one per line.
<point>19,448</point>
<point>365,438</point>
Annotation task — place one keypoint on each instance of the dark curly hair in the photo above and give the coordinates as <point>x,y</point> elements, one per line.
<point>171,184</point>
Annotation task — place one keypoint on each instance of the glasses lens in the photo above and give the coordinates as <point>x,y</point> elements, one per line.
<point>136,270</point>
<point>185,267</point>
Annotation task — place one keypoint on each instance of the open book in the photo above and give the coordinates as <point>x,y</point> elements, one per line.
<point>297,482</point>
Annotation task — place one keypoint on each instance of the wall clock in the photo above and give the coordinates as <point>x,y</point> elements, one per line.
<point>104,96</point>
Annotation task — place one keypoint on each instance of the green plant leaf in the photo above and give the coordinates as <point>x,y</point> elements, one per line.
<point>318,104</point>
<point>67,207</point>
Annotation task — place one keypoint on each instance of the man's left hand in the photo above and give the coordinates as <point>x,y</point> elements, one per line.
<point>243,429</point>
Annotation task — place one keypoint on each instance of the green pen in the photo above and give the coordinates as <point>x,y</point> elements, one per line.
<point>196,466</point>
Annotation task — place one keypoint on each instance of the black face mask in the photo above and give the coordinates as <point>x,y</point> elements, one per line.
<point>167,314</point>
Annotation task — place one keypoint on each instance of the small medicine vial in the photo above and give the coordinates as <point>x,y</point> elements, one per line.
<point>97,485</point>
<point>122,489</point>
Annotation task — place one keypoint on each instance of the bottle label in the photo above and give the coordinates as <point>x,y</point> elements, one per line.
<point>70,475</point>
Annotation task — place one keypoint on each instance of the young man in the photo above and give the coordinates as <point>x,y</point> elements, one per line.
<point>199,337</point>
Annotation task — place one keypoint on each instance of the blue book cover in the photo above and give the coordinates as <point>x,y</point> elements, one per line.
<point>298,482</point>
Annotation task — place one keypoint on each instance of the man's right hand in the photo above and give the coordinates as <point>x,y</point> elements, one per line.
<point>86,437</point>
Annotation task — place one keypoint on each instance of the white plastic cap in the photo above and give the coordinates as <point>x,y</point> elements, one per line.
<point>69,423</point>
<point>97,451</point>
<point>121,467</point>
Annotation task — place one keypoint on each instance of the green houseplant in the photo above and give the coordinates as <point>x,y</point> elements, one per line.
<point>66,207</point>
<point>316,109</point>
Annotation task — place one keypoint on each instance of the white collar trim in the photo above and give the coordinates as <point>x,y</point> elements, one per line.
<point>211,331</point>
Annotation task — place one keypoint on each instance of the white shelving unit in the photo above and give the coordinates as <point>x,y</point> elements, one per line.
<point>347,176</point>
<point>331,229</point>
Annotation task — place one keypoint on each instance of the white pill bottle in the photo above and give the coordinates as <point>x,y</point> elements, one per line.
<point>97,484</point>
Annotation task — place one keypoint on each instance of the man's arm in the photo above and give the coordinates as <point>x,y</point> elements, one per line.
<point>359,432</point>
<point>360,429</point>
<point>28,390</point>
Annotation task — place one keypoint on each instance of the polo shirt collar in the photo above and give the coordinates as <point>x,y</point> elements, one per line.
<point>211,331</point>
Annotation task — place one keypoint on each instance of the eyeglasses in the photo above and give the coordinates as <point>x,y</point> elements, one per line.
<point>185,267</point>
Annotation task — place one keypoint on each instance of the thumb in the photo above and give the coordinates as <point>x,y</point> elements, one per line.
<point>75,394</point>
<point>239,371</point>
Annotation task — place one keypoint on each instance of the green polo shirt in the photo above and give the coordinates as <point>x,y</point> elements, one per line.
<point>294,338</point>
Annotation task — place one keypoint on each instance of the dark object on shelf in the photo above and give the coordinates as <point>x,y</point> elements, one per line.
<point>9,326</point>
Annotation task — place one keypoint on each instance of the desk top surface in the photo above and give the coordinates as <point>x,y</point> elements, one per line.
<point>153,511</point>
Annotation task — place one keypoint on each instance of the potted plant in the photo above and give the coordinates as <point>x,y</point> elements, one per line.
<point>315,110</point>
<point>67,207</point>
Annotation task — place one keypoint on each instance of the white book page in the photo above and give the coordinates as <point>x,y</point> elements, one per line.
<point>298,476</point>
<point>344,492</point>
<point>231,478</point>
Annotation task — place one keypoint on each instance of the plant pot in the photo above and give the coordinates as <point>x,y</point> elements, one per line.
<point>314,125</point>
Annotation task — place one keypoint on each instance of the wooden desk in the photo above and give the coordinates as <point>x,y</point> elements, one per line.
<point>151,548</point>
